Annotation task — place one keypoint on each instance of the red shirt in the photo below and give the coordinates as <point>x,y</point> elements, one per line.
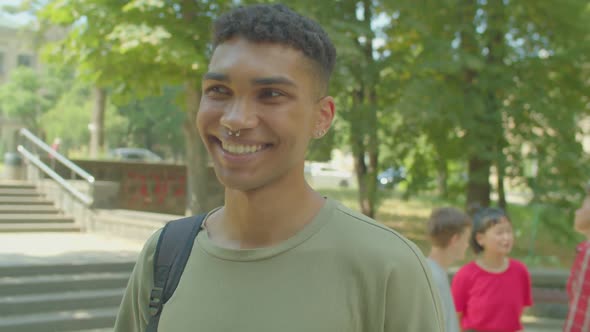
<point>578,291</point>
<point>492,301</point>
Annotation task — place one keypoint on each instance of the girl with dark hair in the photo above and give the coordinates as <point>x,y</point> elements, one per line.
<point>491,292</point>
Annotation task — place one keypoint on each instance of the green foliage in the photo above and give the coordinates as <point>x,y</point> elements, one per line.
<point>27,95</point>
<point>551,248</point>
<point>491,79</point>
<point>69,119</point>
<point>135,47</point>
<point>321,149</point>
<point>356,84</point>
<point>156,122</point>
<point>431,86</point>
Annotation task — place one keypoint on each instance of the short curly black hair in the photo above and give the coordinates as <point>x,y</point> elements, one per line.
<point>277,23</point>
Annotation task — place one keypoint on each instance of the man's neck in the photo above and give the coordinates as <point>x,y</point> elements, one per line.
<point>264,217</point>
<point>442,257</point>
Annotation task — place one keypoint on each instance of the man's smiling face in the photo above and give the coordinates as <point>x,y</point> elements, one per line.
<point>270,93</point>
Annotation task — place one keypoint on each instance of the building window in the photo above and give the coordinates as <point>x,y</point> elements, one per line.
<point>25,60</point>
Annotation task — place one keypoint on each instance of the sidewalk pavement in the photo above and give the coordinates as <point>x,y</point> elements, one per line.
<point>60,248</point>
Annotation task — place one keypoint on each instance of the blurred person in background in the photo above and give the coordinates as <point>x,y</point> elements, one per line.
<point>578,284</point>
<point>449,230</point>
<point>491,292</point>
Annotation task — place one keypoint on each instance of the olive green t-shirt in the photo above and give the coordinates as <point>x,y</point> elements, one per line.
<point>342,272</point>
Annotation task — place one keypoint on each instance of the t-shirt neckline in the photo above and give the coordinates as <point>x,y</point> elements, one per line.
<point>494,272</point>
<point>320,219</point>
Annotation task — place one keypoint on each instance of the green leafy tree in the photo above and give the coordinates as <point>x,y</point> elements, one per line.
<point>71,115</point>
<point>355,83</point>
<point>29,94</point>
<point>498,75</point>
<point>138,47</point>
<point>321,149</point>
<point>155,122</point>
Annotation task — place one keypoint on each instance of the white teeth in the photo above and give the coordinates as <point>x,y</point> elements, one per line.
<point>241,149</point>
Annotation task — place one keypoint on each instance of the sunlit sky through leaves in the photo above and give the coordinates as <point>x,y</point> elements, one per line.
<point>13,20</point>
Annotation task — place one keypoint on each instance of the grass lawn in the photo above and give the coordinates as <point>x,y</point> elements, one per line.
<point>409,218</point>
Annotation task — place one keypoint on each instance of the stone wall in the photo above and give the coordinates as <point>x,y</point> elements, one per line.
<point>153,187</point>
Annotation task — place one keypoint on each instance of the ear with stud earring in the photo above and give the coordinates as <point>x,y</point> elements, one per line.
<point>320,133</point>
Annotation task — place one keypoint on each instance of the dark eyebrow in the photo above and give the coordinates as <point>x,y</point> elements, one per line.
<point>216,77</point>
<point>275,80</point>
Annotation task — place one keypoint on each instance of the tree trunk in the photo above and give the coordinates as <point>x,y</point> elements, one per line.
<point>478,185</point>
<point>361,175</point>
<point>148,139</point>
<point>199,197</point>
<point>501,192</point>
<point>495,59</point>
<point>479,159</point>
<point>373,154</point>
<point>364,148</point>
<point>364,138</point>
<point>97,125</point>
<point>442,177</point>
<point>203,190</point>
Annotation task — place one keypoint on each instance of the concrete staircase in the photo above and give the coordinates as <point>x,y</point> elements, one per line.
<point>61,297</point>
<point>24,209</point>
<point>51,278</point>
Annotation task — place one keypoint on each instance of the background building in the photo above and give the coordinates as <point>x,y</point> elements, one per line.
<point>17,48</point>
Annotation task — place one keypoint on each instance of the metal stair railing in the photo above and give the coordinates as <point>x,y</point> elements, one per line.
<point>86,199</point>
<point>38,143</point>
<point>67,197</point>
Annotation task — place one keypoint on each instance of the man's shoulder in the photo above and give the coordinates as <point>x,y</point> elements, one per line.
<point>365,226</point>
<point>365,233</point>
<point>150,246</point>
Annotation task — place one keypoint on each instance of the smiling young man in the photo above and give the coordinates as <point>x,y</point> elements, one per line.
<point>278,256</point>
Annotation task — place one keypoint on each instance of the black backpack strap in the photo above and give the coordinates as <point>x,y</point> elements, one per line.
<point>174,247</point>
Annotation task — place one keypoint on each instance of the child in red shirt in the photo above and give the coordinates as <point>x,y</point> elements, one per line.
<point>578,284</point>
<point>491,292</point>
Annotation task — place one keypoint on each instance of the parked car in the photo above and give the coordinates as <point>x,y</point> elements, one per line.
<point>134,154</point>
<point>390,177</point>
<point>321,175</point>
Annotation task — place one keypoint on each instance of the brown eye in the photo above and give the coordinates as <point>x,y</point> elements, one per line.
<point>217,91</point>
<point>270,93</point>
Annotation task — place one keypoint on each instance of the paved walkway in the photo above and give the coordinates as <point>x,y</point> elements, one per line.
<point>55,248</point>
